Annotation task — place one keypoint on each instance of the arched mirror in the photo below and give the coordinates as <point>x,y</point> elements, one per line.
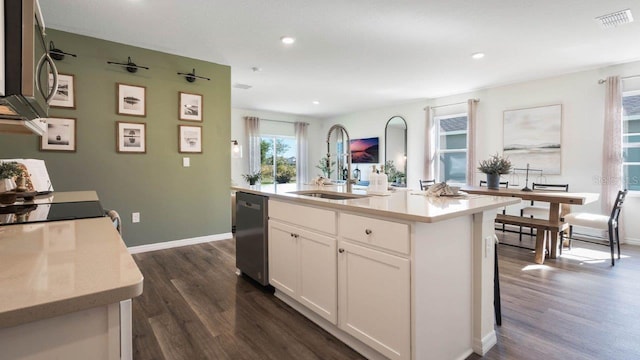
<point>395,151</point>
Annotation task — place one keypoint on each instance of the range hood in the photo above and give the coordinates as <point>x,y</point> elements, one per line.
<point>20,116</point>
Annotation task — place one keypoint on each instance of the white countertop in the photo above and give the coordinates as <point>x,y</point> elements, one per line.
<point>54,268</point>
<point>402,204</point>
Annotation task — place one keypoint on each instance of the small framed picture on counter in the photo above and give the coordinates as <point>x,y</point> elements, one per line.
<point>190,107</point>
<point>189,139</point>
<point>65,96</point>
<point>131,137</point>
<point>131,100</point>
<point>60,135</point>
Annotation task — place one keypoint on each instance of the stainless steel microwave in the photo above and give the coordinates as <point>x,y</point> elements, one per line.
<point>25,100</point>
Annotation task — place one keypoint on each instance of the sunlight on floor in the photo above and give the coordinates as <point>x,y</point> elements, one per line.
<point>589,256</point>
<point>536,267</point>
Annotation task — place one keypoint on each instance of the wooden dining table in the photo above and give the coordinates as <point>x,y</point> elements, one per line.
<point>559,204</point>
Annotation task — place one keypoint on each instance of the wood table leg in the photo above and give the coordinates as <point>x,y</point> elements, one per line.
<point>554,217</point>
<point>540,246</point>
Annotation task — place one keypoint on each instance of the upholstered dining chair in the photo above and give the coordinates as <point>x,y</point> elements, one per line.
<point>541,212</point>
<point>600,222</point>
<point>424,184</point>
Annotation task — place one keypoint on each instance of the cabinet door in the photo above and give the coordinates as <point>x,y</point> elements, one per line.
<point>318,274</point>
<point>283,258</point>
<point>374,299</point>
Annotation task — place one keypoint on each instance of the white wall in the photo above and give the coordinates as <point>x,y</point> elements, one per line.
<point>582,100</point>
<point>241,166</point>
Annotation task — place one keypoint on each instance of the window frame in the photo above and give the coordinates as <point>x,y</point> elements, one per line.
<point>628,145</point>
<point>438,151</point>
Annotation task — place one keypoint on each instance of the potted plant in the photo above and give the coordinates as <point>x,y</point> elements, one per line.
<point>326,167</point>
<point>8,171</point>
<point>252,178</point>
<point>495,166</point>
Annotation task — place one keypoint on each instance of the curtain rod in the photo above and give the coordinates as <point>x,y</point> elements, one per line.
<point>280,121</point>
<point>602,81</point>
<point>458,103</point>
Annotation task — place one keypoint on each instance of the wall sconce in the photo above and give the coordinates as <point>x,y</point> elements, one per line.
<point>191,77</point>
<point>236,149</point>
<point>129,65</point>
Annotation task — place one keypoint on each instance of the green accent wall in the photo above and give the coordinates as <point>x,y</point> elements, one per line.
<point>174,202</point>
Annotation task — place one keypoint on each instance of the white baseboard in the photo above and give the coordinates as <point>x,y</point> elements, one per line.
<point>631,241</point>
<point>178,243</point>
<point>481,346</point>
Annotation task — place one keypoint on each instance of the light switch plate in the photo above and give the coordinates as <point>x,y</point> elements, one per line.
<point>186,162</point>
<point>135,217</point>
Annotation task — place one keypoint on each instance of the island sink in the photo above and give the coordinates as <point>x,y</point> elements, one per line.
<point>331,195</point>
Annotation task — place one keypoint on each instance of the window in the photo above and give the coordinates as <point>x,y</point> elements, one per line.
<point>631,139</point>
<point>451,148</point>
<point>278,159</point>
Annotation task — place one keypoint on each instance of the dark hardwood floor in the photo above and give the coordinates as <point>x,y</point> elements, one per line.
<point>575,307</point>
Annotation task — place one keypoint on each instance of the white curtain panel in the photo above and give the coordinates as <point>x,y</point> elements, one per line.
<point>612,147</point>
<point>612,144</point>
<point>302,154</point>
<point>429,145</point>
<point>472,114</point>
<point>252,129</point>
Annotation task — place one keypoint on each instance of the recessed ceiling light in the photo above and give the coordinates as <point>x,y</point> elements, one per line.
<point>316,102</point>
<point>478,55</point>
<point>242,86</point>
<point>287,40</point>
<point>256,69</point>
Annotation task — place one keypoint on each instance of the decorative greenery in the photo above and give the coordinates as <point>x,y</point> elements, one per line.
<point>284,174</point>
<point>496,164</point>
<point>9,170</point>
<point>325,167</point>
<point>252,178</point>
<point>393,174</point>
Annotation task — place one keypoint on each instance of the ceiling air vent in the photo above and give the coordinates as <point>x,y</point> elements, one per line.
<point>242,86</point>
<point>614,19</point>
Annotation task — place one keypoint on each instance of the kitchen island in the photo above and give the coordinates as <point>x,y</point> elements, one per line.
<point>65,288</point>
<point>399,276</point>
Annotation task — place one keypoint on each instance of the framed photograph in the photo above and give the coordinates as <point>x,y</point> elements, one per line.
<point>190,106</point>
<point>534,136</point>
<point>60,135</point>
<point>189,139</point>
<point>131,100</point>
<point>65,96</point>
<point>131,137</point>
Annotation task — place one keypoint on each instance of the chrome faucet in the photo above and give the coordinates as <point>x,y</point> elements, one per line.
<point>340,127</point>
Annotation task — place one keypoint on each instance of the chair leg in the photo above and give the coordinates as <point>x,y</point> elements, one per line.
<point>618,241</point>
<point>611,244</point>
<point>561,234</point>
<point>570,235</point>
<point>496,290</point>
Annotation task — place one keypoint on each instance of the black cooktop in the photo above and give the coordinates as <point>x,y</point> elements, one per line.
<point>33,213</point>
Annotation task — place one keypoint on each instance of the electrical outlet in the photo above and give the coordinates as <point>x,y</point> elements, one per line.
<point>135,217</point>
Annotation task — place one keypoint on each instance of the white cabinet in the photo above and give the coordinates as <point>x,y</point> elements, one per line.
<point>303,263</point>
<point>374,290</point>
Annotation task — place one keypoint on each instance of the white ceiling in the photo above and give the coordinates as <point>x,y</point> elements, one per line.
<point>357,54</point>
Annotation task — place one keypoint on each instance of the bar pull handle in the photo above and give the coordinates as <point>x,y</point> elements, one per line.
<point>368,231</point>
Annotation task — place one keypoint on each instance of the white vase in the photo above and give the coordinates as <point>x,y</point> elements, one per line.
<point>7,185</point>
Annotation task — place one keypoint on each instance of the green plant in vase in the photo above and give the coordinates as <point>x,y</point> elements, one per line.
<point>495,166</point>
<point>252,178</point>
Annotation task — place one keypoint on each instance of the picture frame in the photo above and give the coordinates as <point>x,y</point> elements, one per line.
<point>131,137</point>
<point>534,136</point>
<point>131,100</point>
<point>65,96</point>
<point>60,135</point>
<point>190,139</point>
<point>190,106</point>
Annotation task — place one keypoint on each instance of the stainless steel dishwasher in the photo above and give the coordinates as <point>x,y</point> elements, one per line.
<point>251,236</point>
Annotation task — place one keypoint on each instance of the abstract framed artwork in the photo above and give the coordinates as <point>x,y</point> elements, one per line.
<point>534,136</point>
<point>131,137</point>
<point>191,106</point>
<point>60,135</point>
<point>189,139</point>
<point>131,100</point>
<point>65,96</point>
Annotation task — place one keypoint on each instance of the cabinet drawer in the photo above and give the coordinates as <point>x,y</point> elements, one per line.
<point>309,217</point>
<point>380,233</point>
